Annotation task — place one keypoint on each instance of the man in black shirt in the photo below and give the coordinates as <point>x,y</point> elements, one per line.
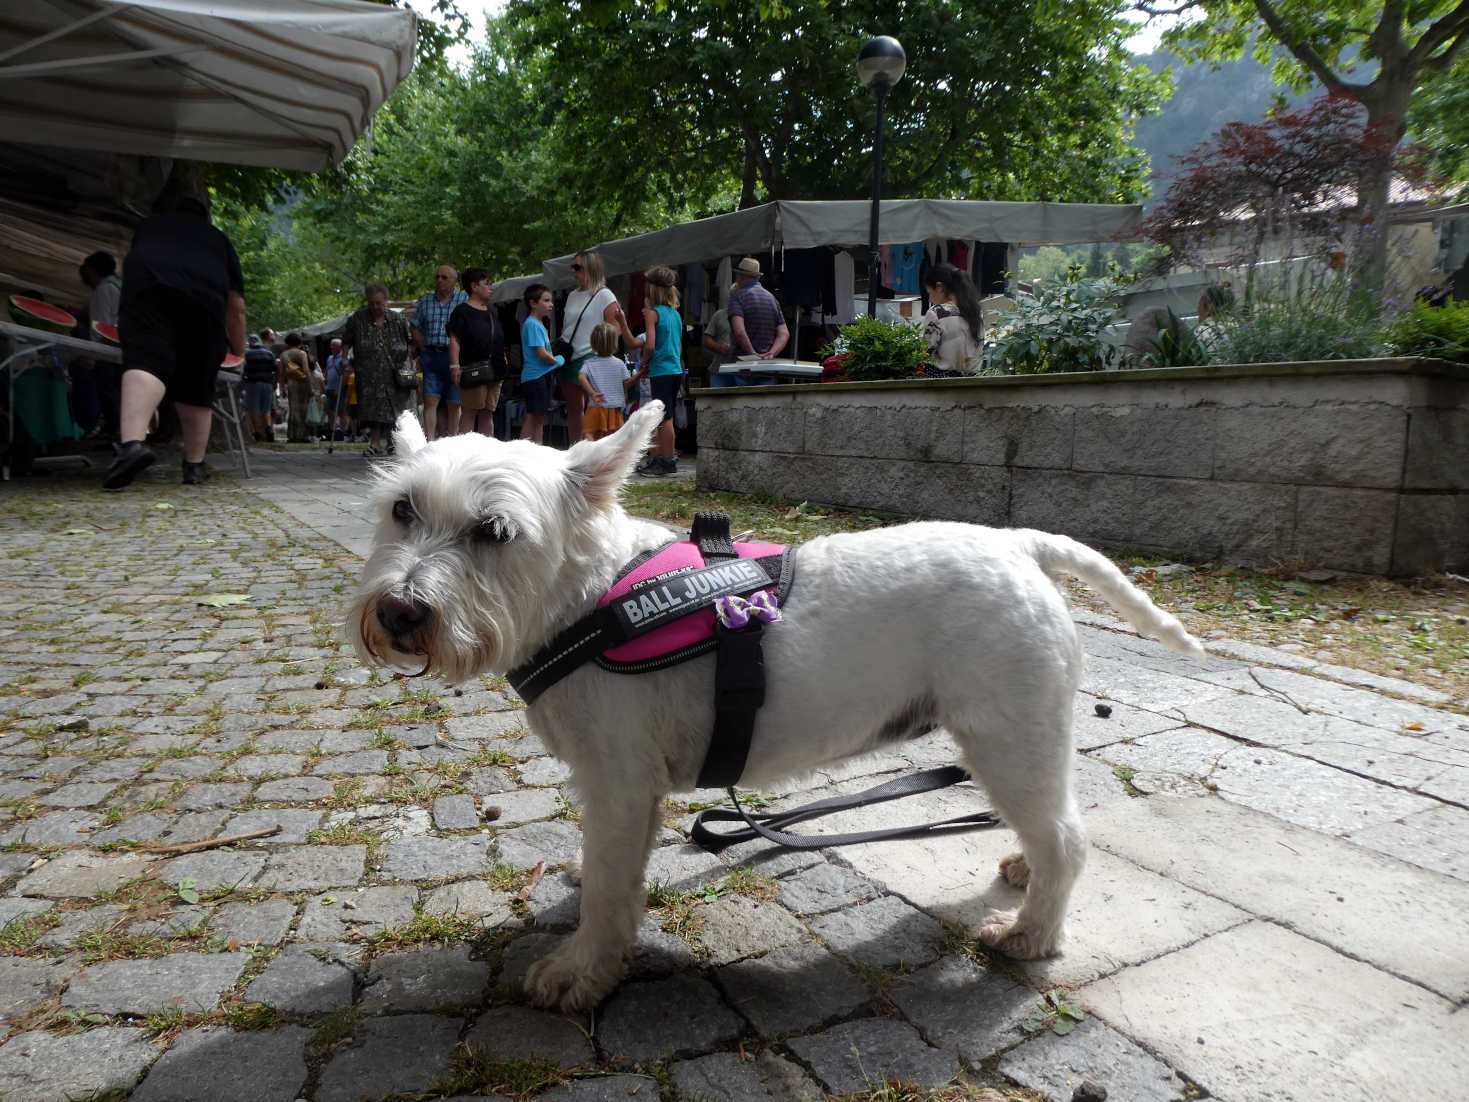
<point>259,372</point>
<point>182,309</point>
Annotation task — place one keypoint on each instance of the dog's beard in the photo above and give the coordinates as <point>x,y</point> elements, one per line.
<point>466,630</point>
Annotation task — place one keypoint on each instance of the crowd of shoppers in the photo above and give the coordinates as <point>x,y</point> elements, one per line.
<point>454,357</point>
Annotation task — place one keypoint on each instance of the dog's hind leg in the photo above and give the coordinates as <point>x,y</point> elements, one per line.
<point>617,832</point>
<point>1028,778</point>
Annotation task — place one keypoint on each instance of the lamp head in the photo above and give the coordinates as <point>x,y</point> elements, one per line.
<point>881,62</point>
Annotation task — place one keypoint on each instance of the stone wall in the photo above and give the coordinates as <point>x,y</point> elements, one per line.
<point>1359,465</point>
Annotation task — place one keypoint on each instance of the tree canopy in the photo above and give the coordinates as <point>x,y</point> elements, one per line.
<point>1404,61</point>
<point>1001,100</point>
<point>575,123</point>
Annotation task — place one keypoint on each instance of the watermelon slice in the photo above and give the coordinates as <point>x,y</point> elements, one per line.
<point>231,359</point>
<point>41,315</point>
<point>107,332</point>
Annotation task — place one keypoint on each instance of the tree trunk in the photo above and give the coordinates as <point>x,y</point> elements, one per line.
<point>748,176</point>
<point>1386,102</point>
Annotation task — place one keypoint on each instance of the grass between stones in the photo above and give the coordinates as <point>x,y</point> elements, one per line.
<point>471,1071</point>
<point>896,1090</point>
<point>679,910</point>
<point>426,929</point>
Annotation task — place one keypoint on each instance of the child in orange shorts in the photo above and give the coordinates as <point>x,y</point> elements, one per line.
<point>604,377</point>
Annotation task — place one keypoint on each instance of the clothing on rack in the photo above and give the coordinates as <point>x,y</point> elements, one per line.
<point>693,298</point>
<point>907,261</point>
<point>809,280</point>
<point>844,287</point>
<point>723,277</point>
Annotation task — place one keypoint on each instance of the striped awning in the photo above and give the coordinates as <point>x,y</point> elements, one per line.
<point>278,83</point>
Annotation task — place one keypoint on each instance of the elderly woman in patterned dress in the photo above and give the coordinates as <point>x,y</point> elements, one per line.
<point>379,340</point>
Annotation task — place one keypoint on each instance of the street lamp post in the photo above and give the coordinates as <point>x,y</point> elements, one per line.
<point>880,65</point>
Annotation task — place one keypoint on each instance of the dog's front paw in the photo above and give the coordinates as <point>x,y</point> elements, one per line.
<point>572,978</point>
<point>1002,932</point>
<point>1015,870</point>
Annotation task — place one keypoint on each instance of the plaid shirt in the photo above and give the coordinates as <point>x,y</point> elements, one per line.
<point>431,317</point>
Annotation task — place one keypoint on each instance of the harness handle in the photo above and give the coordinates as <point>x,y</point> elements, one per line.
<point>769,825</point>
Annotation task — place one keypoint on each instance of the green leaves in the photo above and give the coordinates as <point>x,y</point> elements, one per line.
<point>188,890</point>
<point>1053,1012</point>
<point>871,348</point>
<point>1059,328</point>
<point>224,600</point>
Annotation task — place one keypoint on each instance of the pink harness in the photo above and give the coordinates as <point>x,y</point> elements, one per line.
<point>693,633</point>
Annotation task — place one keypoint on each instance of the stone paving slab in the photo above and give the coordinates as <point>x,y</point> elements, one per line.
<point>768,1078</point>
<point>1057,1066</point>
<point>187,982</point>
<point>1313,1017</point>
<point>299,981</point>
<point>653,1020</point>
<point>857,1054</point>
<point>45,1067</point>
<point>225,1066</point>
<point>399,1054</point>
<point>517,1033</point>
<point>424,980</point>
<point>1407,921</point>
<point>793,988</point>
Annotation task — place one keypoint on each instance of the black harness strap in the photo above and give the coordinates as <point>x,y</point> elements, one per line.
<point>769,825</point>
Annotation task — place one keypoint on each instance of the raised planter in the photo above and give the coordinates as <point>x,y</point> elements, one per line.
<point>1355,465</point>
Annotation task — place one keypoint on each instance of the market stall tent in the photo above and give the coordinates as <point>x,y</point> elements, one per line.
<point>276,83</point>
<point>795,224</point>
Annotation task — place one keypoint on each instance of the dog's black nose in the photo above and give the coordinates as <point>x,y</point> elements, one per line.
<point>400,618</point>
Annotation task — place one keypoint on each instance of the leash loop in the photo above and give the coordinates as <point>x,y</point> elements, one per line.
<point>770,825</point>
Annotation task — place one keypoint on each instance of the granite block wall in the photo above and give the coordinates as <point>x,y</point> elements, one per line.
<point>1360,465</point>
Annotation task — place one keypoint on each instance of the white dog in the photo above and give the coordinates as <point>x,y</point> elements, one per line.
<point>485,550</point>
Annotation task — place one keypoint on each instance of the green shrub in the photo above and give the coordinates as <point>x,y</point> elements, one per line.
<point>1441,331</point>
<point>871,348</point>
<point>1058,329</point>
<point>1305,317</point>
<point>1175,345</point>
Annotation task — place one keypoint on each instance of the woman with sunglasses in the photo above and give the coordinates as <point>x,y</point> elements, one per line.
<point>588,306</point>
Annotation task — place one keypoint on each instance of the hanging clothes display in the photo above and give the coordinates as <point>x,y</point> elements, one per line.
<point>723,276</point>
<point>635,297</point>
<point>907,261</point>
<point>693,297</point>
<point>805,278</point>
<point>959,254</point>
<point>844,287</point>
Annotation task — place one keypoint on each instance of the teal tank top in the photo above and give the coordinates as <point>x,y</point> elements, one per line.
<point>666,359</point>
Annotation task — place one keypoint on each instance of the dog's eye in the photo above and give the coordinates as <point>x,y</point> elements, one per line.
<point>494,530</point>
<point>403,511</point>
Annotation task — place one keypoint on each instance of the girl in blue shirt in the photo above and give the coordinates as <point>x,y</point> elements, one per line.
<point>662,362</point>
<point>537,365</point>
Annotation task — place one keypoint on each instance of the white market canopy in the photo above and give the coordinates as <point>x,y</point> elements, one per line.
<point>792,224</point>
<point>277,83</point>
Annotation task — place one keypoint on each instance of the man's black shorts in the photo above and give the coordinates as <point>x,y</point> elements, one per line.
<point>169,335</point>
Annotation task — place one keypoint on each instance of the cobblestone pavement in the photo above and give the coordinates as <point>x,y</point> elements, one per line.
<point>1274,905</point>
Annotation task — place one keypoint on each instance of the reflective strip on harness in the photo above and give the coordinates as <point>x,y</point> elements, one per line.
<point>663,602</point>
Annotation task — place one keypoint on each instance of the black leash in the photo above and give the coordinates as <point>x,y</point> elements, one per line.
<point>769,825</point>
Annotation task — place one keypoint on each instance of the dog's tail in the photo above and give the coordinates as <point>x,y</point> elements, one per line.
<point>1063,555</point>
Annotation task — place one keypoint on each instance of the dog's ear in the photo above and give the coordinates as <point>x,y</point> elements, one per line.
<point>600,467</point>
<point>408,435</point>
